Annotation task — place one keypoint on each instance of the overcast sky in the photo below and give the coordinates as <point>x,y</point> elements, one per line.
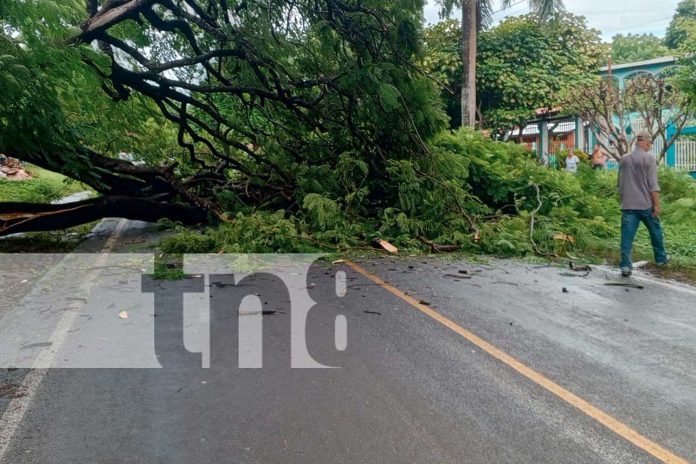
<point>609,16</point>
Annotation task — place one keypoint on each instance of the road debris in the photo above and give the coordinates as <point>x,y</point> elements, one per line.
<point>457,276</point>
<point>265,312</point>
<point>584,268</point>
<point>379,243</point>
<point>372,312</point>
<point>570,274</point>
<point>123,315</point>
<point>564,290</point>
<point>37,345</point>
<point>625,284</point>
<point>436,248</point>
<point>11,390</point>
<point>564,238</point>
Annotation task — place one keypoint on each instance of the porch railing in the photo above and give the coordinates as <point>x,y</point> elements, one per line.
<point>685,155</point>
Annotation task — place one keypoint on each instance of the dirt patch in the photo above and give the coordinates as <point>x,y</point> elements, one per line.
<point>11,390</point>
<point>12,169</point>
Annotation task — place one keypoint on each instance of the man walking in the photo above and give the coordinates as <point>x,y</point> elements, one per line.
<point>640,201</point>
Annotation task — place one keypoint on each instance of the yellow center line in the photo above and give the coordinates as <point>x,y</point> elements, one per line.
<point>597,414</point>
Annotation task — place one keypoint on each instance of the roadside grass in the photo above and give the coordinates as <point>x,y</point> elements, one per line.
<point>169,266</point>
<point>63,241</point>
<point>44,187</point>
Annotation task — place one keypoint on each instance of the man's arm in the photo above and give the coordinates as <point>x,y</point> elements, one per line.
<point>654,187</point>
<point>619,189</point>
<point>656,203</point>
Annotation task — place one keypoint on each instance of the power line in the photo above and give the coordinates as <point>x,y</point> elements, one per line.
<point>624,11</point>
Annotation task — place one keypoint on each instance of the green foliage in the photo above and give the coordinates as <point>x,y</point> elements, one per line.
<point>363,152</point>
<point>43,187</point>
<point>636,47</point>
<point>678,29</point>
<point>686,74</point>
<point>255,233</point>
<point>52,102</point>
<point>442,58</point>
<point>523,65</point>
<point>500,186</point>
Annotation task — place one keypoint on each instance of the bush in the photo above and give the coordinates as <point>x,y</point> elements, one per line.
<point>43,187</point>
<point>468,182</point>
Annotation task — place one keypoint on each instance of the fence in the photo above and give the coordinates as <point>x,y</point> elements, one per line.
<point>685,154</point>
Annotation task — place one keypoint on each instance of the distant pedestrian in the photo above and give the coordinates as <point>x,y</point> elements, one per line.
<point>599,158</point>
<point>571,162</point>
<point>545,159</point>
<point>640,202</point>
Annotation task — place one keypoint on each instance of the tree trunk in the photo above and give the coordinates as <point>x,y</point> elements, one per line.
<point>469,45</point>
<point>30,217</point>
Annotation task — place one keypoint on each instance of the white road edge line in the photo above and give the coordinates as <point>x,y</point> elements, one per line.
<point>14,414</point>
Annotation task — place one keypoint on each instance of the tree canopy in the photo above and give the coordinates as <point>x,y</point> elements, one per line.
<point>677,30</point>
<point>477,15</point>
<point>267,102</point>
<point>636,47</point>
<point>523,65</point>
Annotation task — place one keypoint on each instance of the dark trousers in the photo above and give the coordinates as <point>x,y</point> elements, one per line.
<point>630,220</point>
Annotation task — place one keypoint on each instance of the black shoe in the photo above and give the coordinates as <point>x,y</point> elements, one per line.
<point>665,262</point>
<point>625,272</point>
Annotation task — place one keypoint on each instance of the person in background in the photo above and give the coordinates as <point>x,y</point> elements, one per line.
<point>599,158</point>
<point>640,202</point>
<point>552,161</point>
<point>571,162</point>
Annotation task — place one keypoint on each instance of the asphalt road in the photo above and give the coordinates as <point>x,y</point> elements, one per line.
<point>409,388</point>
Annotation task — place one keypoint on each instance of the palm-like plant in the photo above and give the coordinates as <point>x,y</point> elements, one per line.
<point>475,14</point>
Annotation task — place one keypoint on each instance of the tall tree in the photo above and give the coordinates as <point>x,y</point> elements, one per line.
<point>677,29</point>
<point>475,15</point>
<point>523,65</point>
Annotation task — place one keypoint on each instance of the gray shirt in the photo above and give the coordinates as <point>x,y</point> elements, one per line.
<point>637,179</point>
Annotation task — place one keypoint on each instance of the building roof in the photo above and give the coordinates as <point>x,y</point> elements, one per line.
<point>639,64</point>
<point>533,129</point>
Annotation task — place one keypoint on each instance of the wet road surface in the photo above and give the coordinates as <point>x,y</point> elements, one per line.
<point>409,388</point>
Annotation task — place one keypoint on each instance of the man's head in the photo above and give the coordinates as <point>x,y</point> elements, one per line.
<point>644,140</point>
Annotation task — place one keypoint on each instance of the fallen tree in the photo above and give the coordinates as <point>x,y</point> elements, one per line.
<point>24,217</point>
<point>267,103</point>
